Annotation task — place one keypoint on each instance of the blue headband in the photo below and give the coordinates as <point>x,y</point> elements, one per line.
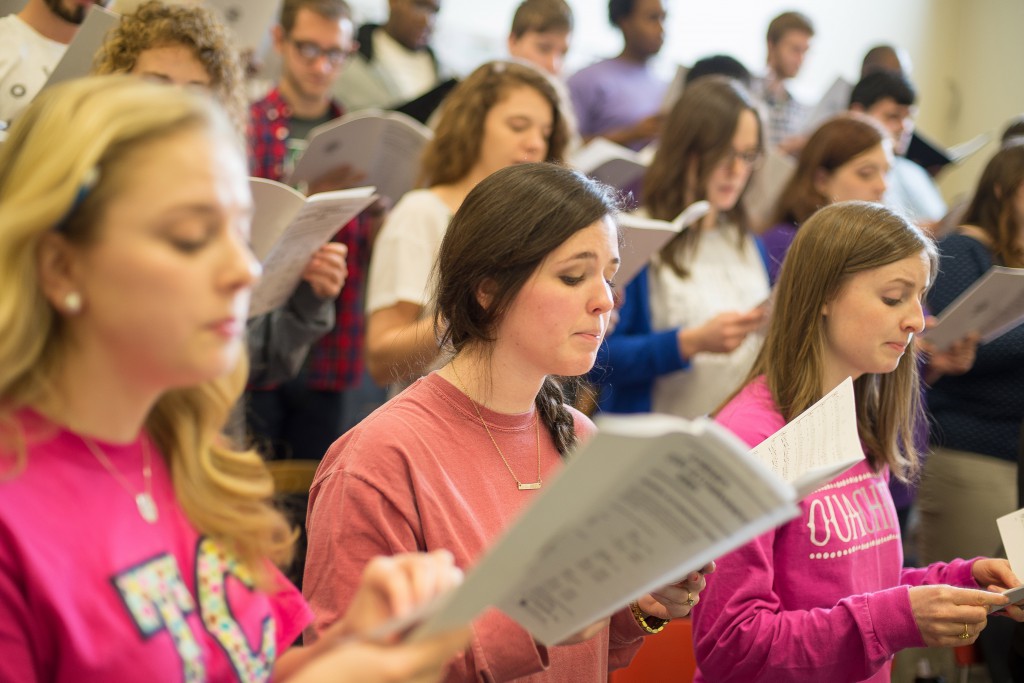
<point>92,177</point>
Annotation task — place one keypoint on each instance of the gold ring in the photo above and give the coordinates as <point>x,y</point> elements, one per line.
<point>690,601</point>
<point>966,635</point>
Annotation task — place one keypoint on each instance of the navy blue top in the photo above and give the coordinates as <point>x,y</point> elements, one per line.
<point>982,410</point>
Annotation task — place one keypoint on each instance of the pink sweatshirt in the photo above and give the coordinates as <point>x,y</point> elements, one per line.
<point>420,473</point>
<point>822,598</point>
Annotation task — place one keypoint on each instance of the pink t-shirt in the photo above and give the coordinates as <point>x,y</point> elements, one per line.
<point>89,591</point>
<point>420,473</point>
<point>821,598</point>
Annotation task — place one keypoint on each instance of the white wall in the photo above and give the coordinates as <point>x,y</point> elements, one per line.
<point>982,86</point>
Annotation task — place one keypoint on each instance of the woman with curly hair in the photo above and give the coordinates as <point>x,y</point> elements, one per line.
<point>188,46</point>
<point>177,44</point>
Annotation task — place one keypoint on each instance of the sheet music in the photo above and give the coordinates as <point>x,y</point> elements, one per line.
<point>77,60</point>
<point>386,146</point>
<point>818,444</point>
<point>1011,529</point>
<point>274,206</point>
<point>630,513</point>
<point>319,218</point>
<point>835,101</point>
<point>610,163</point>
<point>643,237</point>
<point>992,306</point>
<point>249,21</point>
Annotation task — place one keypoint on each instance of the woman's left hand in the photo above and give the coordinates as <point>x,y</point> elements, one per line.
<point>326,271</point>
<point>956,360</point>
<point>996,575</point>
<point>676,599</point>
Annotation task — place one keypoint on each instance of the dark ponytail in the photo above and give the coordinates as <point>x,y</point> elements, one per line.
<point>557,418</point>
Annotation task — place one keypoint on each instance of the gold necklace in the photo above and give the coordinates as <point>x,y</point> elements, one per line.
<point>522,487</point>
<point>143,500</point>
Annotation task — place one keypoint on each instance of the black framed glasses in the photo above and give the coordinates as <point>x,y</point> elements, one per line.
<point>750,157</point>
<point>311,52</point>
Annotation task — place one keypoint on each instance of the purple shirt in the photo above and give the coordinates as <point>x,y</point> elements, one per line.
<point>776,242</point>
<point>615,93</point>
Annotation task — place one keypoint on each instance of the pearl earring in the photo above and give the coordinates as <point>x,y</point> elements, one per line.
<point>73,302</point>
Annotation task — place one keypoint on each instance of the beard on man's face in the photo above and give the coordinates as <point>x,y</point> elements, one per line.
<point>72,15</point>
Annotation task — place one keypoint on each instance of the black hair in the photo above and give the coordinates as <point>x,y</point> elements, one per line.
<point>619,10</point>
<point>719,65</point>
<point>879,85</point>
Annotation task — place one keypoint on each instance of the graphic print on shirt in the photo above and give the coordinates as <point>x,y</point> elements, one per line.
<point>849,516</point>
<point>158,600</point>
<point>214,568</point>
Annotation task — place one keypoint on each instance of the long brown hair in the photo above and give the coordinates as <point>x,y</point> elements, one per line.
<point>992,208</point>
<point>460,130</point>
<point>698,136</point>
<point>502,232</point>
<point>834,144</point>
<point>838,241</point>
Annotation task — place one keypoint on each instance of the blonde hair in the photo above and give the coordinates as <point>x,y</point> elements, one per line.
<point>450,155</point>
<point>54,151</point>
<point>835,243</point>
<point>155,24</point>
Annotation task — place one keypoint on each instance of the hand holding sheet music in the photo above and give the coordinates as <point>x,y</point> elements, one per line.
<point>992,306</point>
<point>649,499</point>
<point>289,228</point>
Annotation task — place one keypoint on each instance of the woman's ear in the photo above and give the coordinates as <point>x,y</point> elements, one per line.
<point>57,265</point>
<point>821,177</point>
<point>486,292</point>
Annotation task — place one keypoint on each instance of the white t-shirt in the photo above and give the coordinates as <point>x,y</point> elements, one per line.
<point>912,192</point>
<point>405,251</point>
<point>26,61</point>
<point>722,278</point>
<point>411,70</point>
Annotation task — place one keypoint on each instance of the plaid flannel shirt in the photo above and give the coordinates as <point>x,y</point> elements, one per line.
<point>335,362</point>
<point>786,115</point>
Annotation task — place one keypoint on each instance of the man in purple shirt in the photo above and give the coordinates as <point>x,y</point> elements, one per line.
<point>621,98</point>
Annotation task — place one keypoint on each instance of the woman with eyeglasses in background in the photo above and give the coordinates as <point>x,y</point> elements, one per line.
<point>687,332</point>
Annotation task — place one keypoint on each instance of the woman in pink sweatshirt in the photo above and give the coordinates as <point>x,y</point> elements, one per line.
<point>825,597</point>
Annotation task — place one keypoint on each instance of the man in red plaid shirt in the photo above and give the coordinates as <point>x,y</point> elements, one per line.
<point>303,416</point>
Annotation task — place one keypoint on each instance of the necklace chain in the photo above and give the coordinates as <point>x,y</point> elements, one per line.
<point>143,500</point>
<point>522,487</point>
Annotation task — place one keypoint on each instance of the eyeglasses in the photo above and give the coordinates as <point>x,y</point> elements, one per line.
<point>312,52</point>
<point>750,157</point>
